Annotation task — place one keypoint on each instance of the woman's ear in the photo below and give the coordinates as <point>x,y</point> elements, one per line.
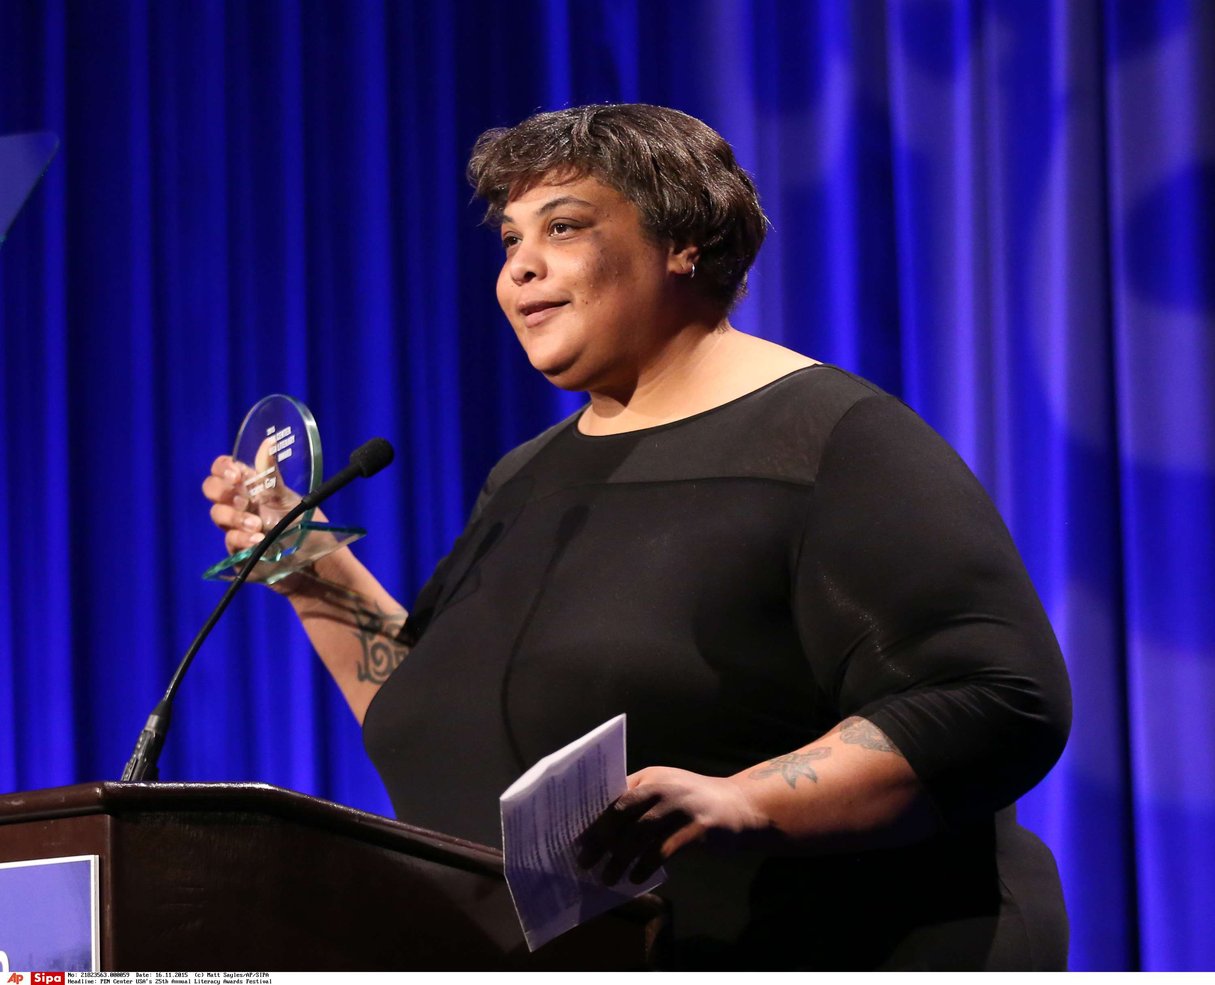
<point>683,259</point>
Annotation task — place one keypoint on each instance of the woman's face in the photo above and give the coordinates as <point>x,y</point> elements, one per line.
<point>590,295</point>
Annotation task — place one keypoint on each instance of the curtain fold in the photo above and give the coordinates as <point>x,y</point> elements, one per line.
<point>1003,212</point>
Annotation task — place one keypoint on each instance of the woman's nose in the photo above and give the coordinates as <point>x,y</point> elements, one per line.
<point>525,264</point>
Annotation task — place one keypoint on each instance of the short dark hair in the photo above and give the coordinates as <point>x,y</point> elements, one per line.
<point>679,173</point>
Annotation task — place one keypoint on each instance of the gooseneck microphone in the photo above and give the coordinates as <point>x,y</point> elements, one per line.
<point>365,461</point>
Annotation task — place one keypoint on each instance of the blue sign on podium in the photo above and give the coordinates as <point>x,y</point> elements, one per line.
<point>49,914</point>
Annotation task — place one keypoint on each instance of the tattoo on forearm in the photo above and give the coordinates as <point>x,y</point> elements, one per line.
<point>861,732</point>
<point>792,766</point>
<point>382,651</point>
<point>376,630</point>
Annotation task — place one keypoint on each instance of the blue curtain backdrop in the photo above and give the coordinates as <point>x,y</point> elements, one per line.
<point>1003,211</point>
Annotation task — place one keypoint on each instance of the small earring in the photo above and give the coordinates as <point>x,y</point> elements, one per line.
<point>692,275</point>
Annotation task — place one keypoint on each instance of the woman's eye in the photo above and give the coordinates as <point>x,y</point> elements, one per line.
<point>560,228</point>
<point>509,240</point>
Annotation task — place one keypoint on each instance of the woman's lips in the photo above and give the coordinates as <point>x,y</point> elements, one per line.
<point>540,312</point>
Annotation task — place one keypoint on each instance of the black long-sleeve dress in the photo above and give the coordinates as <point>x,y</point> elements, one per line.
<point>739,582</point>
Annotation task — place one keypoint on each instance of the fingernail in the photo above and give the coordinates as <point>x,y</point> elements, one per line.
<point>256,539</point>
<point>231,475</point>
<point>240,502</point>
<point>252,522</point>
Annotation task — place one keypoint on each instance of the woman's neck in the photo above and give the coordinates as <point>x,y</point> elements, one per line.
<point>696,371</point>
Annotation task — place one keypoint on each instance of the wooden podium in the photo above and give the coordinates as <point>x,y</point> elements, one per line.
<point>217,876</point>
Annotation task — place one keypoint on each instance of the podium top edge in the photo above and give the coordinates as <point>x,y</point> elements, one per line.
<point>127,799</point>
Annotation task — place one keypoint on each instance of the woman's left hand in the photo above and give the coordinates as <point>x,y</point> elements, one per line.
<point>663,811</point>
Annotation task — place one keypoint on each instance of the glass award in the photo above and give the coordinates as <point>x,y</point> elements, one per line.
<point>278,450</point>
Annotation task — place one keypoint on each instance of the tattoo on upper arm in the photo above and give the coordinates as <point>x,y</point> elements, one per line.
<point>382,651</point>
<point>792,766</point>
<point>858,731</point>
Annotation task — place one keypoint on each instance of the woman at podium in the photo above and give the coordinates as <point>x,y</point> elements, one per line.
<point>837,675</point>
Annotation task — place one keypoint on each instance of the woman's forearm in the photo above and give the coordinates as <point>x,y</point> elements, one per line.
<point>849,790</point>
<point>353,624</point>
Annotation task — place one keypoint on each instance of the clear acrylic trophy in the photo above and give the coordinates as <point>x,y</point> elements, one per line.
<point>278,449</point>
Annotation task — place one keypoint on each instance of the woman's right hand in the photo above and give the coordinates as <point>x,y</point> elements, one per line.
<point>243,523</point>
<point>225,488</point>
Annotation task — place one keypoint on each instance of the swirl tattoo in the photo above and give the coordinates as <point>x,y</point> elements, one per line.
<point>382,653</point>
<point>792,766</point>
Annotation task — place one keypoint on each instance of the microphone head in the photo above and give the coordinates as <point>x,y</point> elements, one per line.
<point>372,456</point>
